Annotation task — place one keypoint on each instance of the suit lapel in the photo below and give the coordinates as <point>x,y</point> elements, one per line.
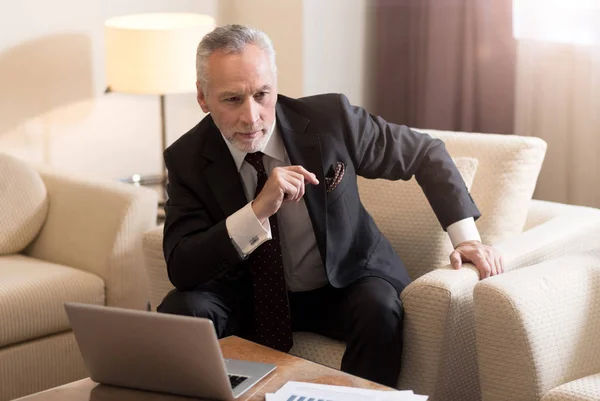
<point>304,149</point>
<point>221,174</point>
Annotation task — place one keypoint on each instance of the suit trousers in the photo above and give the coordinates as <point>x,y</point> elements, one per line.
<point>367,315</point>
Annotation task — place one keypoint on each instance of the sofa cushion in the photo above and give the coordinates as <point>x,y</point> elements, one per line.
<point>404,216</point>
<point>23,204</point>
<point>584,389</point>
<point>507,173</point>
<point>32,293</point>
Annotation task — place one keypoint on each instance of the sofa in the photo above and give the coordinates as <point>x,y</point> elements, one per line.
<point>537,331</point>
<point>62,238</point>
<point>439,354</point>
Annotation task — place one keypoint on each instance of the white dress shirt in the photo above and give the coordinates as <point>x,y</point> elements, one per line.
<point>302,262</point>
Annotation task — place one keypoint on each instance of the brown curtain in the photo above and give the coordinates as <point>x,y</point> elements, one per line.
<point>445,64</point>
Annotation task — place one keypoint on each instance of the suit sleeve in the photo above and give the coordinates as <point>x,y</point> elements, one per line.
<point>196,248</point>
<point>383,150</point>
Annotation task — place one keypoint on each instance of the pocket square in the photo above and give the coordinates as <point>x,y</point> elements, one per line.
<point>331,183</point>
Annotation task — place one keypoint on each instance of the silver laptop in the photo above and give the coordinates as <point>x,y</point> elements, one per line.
<point>159,352</point>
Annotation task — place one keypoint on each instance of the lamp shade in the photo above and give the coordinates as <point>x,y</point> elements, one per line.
<point>154,53</point>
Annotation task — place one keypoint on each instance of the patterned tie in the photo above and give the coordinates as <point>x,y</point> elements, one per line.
<point>272,312</point>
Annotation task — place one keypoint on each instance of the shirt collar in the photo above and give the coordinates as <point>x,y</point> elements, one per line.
<point>273,148</point>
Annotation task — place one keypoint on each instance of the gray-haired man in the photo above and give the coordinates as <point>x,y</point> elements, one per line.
<point>265,232</point>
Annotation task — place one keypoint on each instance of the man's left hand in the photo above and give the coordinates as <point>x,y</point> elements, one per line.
<point>485,258</point>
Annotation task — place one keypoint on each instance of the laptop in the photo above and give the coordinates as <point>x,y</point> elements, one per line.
<point>159,352</point>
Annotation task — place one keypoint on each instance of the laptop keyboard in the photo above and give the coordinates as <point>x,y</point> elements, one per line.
<point>236,380</point>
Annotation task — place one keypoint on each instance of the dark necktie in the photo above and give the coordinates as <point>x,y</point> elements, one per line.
<point>272,312</point>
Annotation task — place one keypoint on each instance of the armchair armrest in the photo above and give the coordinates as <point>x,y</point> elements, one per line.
<point>439,329</point>
<point>537,328</point>
<point>97,226</point>
<point>156,267</point>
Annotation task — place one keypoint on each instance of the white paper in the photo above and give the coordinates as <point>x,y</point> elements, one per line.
<point>299,391</point>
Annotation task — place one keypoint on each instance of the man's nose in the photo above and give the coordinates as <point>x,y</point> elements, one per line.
<point>250,113</point>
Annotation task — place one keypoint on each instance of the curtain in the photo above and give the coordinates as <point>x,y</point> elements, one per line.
<point>558,94</point>
<point>445,64</point>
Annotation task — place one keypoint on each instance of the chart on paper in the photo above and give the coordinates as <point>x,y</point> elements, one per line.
<point>298,391</point>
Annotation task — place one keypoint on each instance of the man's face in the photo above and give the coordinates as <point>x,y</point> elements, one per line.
<point>241,94</point>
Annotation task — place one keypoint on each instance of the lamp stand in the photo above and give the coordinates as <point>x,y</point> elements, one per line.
<point>163,136</point>
<point>163,143</point>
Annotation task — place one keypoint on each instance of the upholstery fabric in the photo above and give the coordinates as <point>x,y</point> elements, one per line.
<point>584,389</point>
<point>537,328</point>
<point>101,224</point>
<point>156,267</point>
<point>33,366</point>
<point>439,326</point>
<point>32,293</point>
<point>88,250</point>
<point>319,349</point>
<point>439,357</point>
<point>402,213</point>
<point>23,204</point>
<point>508,169</point>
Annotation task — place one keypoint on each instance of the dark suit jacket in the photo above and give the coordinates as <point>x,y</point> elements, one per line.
<point>205,188</point>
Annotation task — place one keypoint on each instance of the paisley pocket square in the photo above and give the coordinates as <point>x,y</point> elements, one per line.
<point>332,182</point>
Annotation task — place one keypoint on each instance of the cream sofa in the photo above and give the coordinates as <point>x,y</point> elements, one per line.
<point>537,331</point>
<point>88,250</point>
<point>439,356</point>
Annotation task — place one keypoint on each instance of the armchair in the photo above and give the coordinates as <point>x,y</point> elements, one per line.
<point>439,356</point>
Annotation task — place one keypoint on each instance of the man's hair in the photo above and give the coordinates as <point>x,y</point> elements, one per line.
<point>231,39</point>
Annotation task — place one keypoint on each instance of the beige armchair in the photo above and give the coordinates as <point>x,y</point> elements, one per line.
<point>537,331</point>
<point>439,356</point>
<point>89,249</point>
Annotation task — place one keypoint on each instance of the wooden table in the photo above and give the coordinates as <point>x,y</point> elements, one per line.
<point>288,368</point>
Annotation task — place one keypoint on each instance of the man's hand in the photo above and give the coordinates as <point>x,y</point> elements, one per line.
<point>285,184</point>
<point>487,259</point>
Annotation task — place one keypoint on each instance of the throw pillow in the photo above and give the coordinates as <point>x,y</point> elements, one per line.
<point>23,204</point>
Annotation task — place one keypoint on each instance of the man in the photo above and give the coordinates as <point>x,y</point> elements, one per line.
<point>265,232</point>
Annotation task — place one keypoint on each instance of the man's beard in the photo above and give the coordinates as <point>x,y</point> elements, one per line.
<point>256,146</point>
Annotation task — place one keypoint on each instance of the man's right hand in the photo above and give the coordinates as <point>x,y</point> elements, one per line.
<point>285,184</point>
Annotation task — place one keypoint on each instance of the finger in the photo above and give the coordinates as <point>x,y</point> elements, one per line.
<point>455,260</point>
<point>301,188</point>
<point>492,262</point>
<point>500,263</point>
<point>483,266</point>
<point>308,176</point>
<point>292,187</point>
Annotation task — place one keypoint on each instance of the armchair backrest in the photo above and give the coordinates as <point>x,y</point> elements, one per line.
<point>507,172</point>
<point>503,185</point>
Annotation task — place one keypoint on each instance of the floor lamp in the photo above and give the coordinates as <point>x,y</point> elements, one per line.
<point>154,54</point>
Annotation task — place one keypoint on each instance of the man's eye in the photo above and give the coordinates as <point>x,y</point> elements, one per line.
<point>260,95</point>
<point>232,99</point>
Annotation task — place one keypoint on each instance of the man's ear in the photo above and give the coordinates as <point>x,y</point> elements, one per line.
<point>201,97</point>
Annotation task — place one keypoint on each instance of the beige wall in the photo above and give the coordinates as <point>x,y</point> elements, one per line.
<point>52,103</point>
<point>282,21</point>
<point>337,54</point>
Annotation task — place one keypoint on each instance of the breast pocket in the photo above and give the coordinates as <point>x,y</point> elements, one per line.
<point>338,191</point>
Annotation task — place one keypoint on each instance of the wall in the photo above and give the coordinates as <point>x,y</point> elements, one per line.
<point>52,103</point>
<point>282,21</point>
<point>337,54</point>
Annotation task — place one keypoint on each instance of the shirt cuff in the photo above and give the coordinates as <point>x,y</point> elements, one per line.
<point>463,230</point>
<point>245,230</point>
